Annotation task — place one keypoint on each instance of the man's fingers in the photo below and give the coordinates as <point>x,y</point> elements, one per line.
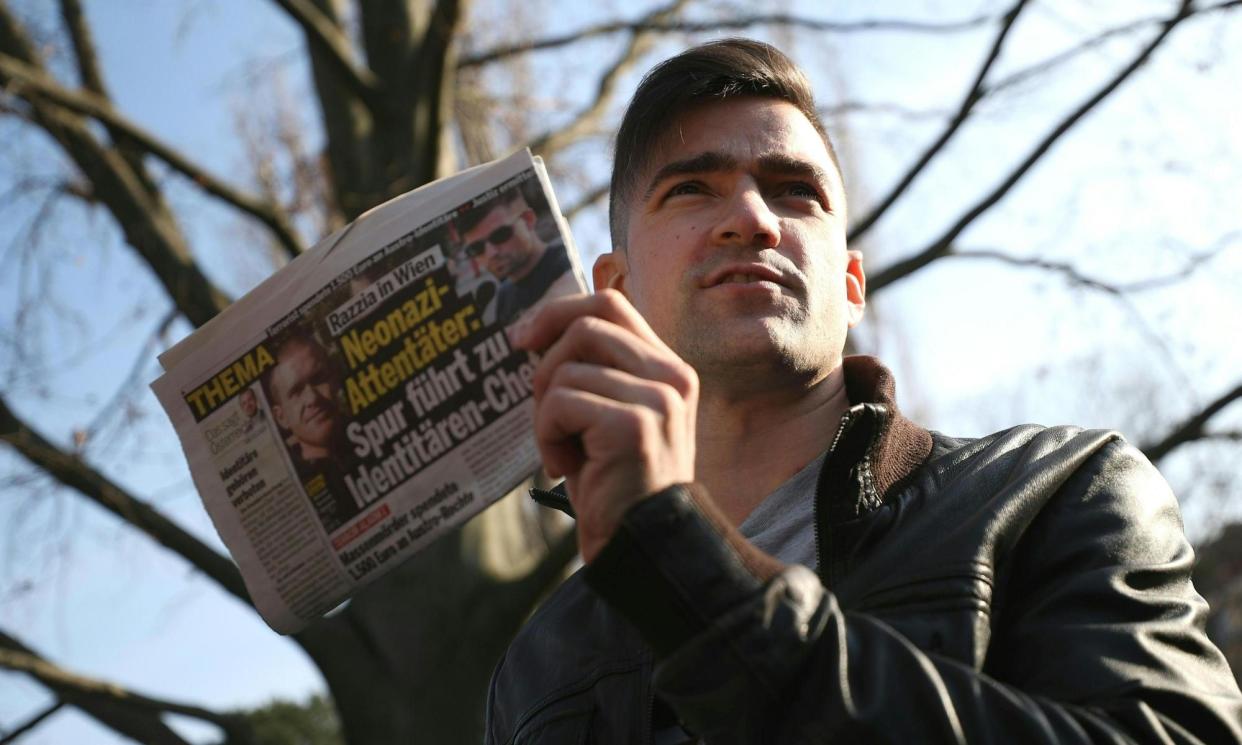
<point>600,342</point>
<point>550,322</point>
<point>562,417</point>
<point>620,386</point>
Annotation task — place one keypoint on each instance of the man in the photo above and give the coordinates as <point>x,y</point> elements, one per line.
<point>774,553</point>
<point>302,388</point>
<point>250,407</point>
<point>503,234</point>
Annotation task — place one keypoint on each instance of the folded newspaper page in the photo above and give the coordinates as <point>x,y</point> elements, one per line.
<point>365,399</point>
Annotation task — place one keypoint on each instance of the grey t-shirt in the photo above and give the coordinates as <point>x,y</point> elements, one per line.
<point>783,525</point>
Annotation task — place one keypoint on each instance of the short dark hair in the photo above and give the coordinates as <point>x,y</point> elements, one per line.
<point>472,216</point>
<point>296,336</point>
<point>717,70</point>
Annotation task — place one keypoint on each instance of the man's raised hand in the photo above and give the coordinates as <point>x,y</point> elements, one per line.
<point>614,408</point>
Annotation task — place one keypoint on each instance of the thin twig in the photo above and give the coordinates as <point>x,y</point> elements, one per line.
<point>59,679</point>
<point>728,24</point>
<point>76,473</point>
<point>942,246</point>
<point>1092,42</point>
<point>326,36</point>
<point>1192,428</point>
<point>31,83</point>
<point>132,379</point>
<point>1076,277</point>
<point>31,723</point>
<point>586,200</point>
<point>549,143</point>
<point>973,95</point>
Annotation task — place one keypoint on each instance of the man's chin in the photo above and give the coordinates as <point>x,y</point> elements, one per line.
<point>320,436</point>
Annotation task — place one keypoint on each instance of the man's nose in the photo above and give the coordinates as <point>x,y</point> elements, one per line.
<point>748,220</point>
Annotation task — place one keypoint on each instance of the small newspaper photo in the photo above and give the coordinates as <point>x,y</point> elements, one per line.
<point>366,399</point>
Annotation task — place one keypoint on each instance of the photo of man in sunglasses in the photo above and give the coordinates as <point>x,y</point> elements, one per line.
<point>503,236</point>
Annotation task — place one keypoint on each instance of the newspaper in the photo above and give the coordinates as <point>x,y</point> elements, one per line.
<point>366,399</point>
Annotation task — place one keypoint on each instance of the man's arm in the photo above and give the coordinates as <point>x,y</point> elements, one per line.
<point>1107,646</point>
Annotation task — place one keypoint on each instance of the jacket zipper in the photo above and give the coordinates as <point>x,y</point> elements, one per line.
<point>846,420</point>
<point>554,500</point>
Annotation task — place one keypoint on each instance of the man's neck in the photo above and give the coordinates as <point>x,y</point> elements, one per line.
<point>749,445</point>
<point>524,271</point>
<point>313,452</point>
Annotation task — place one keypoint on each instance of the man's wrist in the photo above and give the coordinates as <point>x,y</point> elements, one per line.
<point>674,564</point>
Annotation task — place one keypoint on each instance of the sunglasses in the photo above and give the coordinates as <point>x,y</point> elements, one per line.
<point>496,237</point>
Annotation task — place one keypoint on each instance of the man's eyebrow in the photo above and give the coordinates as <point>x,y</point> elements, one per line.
<point>708,162</point>
<point>788,165</point>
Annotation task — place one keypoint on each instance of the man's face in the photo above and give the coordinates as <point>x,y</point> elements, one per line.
<point>506,240</point>
<point>249,404</point>
<point>302,395</point>
<point>736,242</point>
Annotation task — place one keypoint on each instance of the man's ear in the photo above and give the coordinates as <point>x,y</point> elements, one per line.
<point>529,218</point>
<point>610,271</point>
<point>278,413</point>
<point>855,287</point>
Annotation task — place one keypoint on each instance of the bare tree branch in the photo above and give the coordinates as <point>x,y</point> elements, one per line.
<point>145,219</point>
<point>586,200</point>
<point>32,84</point>
<point>1092,42</point>
<point>728,24</point>
<point>1076,277</point>
<point>973,95</point>
<point>942,246</point>
<point>332,43</point>
<point>131,380</point>
<point>1233,435</point>
<point>75,473</point>
<point>141,725</point>
<point>83,47</point>
<point>1192,428</point>
<point>84,688</point>
<point>588,119</point>
<point>434,66</point>
<point>31,723</point>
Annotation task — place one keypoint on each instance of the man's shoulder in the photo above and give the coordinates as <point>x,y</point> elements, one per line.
<point>1022,447</point>
<point>1031,469</point>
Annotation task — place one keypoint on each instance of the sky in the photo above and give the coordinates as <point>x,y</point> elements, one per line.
<point>1148,180</point>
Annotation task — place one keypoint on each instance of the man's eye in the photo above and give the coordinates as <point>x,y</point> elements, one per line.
<point>801,189</point>
<point>686,187</point>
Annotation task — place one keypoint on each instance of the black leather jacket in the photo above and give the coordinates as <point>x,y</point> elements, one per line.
<point>1032,586</point>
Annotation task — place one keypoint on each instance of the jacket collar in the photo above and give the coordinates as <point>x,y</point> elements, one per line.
<point>875,453</point>
<point>877,449</point>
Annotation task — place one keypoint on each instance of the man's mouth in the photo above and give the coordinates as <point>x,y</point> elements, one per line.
<point>744,275</point>
<point>739,279</point>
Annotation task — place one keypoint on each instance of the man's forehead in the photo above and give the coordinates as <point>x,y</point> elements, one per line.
<point>296,358</point>
<point>753,133</point>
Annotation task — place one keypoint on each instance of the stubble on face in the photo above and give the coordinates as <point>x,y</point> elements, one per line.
<point>738,184</point>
